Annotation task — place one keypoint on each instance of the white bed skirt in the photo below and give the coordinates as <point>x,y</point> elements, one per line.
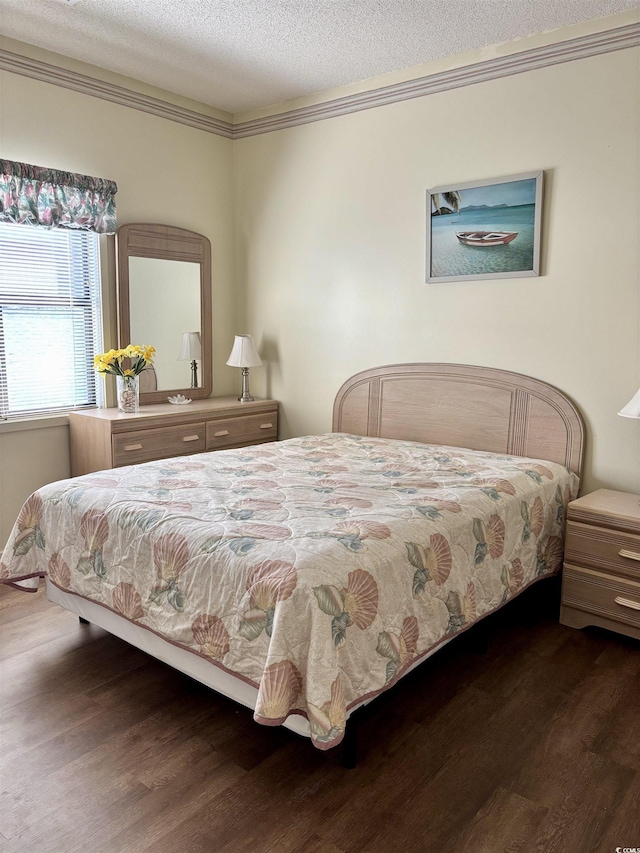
<point>184,661</point>
<point>180,659</point>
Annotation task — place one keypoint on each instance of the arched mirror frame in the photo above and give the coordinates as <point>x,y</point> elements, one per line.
<point>175,244</point>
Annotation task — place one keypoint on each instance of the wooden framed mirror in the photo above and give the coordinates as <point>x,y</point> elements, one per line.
<point>163,287</point>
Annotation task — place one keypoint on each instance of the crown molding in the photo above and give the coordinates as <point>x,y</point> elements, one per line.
<point>479,72</point>
<point>39,70</point>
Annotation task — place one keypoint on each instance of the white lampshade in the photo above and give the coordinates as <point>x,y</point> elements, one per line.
<point>190,348</point>
<point>244,353</point>
<point>632,409</point>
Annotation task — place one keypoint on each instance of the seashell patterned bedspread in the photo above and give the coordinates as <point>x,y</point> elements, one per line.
<point>317,569</point>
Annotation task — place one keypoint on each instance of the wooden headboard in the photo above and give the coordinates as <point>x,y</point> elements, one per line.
<point>463,406</point>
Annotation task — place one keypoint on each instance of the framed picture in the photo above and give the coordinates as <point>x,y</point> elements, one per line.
<point>485,229</point>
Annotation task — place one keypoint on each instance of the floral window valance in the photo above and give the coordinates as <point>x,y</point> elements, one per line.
<point>33,195</point>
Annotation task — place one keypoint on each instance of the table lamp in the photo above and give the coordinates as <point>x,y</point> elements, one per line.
<point>632,409</point>
<point>245,355</point>
<point>191,350</point>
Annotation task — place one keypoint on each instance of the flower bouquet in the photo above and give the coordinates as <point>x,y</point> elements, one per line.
<point>126,365</point>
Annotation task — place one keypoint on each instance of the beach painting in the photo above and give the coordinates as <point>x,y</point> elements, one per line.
<point>485,229</point>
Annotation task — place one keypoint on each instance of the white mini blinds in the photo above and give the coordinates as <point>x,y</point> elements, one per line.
<point>50,319</point>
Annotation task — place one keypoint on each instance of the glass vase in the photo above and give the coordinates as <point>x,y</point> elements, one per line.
<point>128,392</point>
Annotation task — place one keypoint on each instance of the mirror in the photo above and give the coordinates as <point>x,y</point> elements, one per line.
<point>163,284</point>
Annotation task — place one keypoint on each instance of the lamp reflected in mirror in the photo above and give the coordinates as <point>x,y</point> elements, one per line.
<point>191,350</point>
<point>245,355</point>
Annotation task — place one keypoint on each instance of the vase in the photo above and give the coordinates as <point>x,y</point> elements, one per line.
<point>128,391</point>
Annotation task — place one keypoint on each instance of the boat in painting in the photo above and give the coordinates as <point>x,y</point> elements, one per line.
<point>486,238</point>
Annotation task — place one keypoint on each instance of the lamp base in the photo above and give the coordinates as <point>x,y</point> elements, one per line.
<point>246,396</point>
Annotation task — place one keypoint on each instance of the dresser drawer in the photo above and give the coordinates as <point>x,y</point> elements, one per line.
<point>247,429</point>
<point>146,445</point>
<point>601,548</point>
<point>601,594</point>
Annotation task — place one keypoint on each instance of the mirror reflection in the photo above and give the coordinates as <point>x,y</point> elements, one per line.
<point>163,288</point>
<point>164,305</point>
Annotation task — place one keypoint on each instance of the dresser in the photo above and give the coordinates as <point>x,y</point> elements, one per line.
<point>601,576</point>
<point>107,438</point>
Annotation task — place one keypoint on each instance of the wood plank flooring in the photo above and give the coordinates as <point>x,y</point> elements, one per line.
<point>531,746</point>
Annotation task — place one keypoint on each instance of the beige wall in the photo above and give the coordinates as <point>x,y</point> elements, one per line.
<point>329,239</point>
<point>330,242</point>
<point>166,173</point>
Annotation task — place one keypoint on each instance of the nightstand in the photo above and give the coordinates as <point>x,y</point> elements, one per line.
<point>601,576</point>
<point>107,438</point>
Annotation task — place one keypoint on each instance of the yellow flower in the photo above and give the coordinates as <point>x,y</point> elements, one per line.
<point>111,362</point>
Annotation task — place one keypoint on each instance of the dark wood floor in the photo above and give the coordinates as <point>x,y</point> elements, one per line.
<point>532,746</point>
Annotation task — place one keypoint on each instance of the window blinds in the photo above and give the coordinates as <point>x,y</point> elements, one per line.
<point>50,319</point>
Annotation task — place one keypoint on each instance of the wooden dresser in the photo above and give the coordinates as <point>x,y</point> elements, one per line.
<point>107,438</point>
<point>601,577</point>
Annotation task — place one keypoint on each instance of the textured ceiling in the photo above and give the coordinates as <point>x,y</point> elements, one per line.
<point>240,54</point>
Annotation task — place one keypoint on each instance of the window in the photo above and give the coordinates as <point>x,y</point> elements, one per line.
<point>50,319</point>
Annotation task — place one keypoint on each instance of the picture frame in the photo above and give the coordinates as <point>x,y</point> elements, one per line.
<point>485,229</point>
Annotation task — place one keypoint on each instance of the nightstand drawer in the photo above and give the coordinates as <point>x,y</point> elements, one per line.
<point>250,429</point>
<point>601,594</point>
<point>146,445</point>
<point>601,548</point>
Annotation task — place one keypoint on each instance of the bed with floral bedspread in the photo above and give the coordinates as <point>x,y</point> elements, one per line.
<point>317,569</point>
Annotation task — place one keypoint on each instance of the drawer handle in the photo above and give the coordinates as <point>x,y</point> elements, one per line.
<point>133,447</point>
<point>220,433</point>
<point>191,438</point>
<point>630,555</point>
<point>266,426</point>
<point>626,602</point>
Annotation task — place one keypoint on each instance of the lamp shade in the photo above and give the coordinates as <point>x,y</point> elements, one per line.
<point>244,353</point>
<point>190,348</point>
<point>632,409</point>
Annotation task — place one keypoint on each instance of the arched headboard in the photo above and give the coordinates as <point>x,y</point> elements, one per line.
<point>463,406</point>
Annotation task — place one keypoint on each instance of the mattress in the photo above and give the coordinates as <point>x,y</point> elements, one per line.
<point>316,570</point>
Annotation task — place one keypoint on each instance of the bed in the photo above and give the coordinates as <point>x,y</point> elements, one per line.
<point>303,578</point>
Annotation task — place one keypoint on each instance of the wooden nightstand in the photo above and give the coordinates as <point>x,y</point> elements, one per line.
<point>107,438</point>
<point>601,577</point>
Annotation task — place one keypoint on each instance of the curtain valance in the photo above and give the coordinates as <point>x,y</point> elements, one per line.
<point>34,195</point>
